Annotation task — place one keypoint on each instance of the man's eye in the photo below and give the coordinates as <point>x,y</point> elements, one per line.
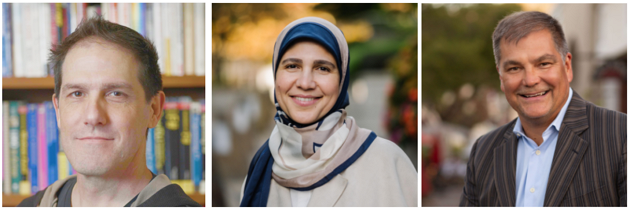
<point>545,64</point>
<point>115,93</point>
<point>76,94</point>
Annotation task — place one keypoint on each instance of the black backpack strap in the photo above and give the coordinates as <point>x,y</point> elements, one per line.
<point>34,200</point>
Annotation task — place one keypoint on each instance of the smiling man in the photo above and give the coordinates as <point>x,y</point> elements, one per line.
<point>561,150</point>
<point>108,93</point>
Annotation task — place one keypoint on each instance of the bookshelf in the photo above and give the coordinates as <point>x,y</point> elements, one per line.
<point>9,200</point>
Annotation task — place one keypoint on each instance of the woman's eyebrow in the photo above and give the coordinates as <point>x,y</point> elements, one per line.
<point>324,62</point>
<point>294,60</point>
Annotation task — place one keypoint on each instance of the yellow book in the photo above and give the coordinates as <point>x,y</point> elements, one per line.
<point>63,165</point>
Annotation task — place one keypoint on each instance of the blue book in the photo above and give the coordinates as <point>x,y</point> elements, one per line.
<point>52,139</point>
<point>151,151</point>
<point>195,144</point>
<point>7,69</point>
<point>31,125</point>
<point>142,19</point>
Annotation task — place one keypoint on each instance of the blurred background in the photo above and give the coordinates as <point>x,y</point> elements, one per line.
<point>383,86</point>
<point>461,96</point>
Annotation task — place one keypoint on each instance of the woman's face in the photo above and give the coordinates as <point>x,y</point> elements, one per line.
<point>307,82</point>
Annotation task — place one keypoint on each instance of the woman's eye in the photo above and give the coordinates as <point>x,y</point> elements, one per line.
<point>291,66</point>
<point>321,68</point>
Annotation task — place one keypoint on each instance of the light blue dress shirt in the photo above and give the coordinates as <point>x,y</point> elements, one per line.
<point>533,162</point>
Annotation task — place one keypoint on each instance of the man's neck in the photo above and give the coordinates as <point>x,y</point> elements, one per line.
<point>113,189</point>
<point>535,130</point>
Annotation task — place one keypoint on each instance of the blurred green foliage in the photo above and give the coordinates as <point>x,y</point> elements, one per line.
<point>457,46</point>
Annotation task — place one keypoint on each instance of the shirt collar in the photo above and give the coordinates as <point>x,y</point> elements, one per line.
<point>518,128</point>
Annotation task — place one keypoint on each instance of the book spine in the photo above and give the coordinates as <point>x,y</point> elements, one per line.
<point>195,142</point>
<point>150,151</point>
<point>200,37</point>
<point>65,29</point>
<point>172,136</point>
<point>44,39</point>
<point>42,147</point>
<point>189,47</point>
<point>16,18</point>
<point>52,137</point>
<point>177,48</point>
<point>15,145</point>
<point>135,17</point>
<point>167,30</point>
<point>30,122</point>
<point>184,139</point>
<point>157,39</point>
<point>30,39</point>
<point>7,70</point>
<point>72,17</point>
<point>6,148</point>
<point>64,165</point>
<point>59,22</point>
<point>141,19</point>
<point>159,146</point>
<point>202,184</point>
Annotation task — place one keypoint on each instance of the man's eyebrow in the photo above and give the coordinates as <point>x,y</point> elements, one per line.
<point>107,86</point>
<point>295,60</point>
<point>117,85</point>
<point>511,62</point>
<point>324,62</point>
<point>546,57</point>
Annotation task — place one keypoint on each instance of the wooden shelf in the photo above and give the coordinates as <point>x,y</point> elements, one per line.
<point>11,200</point>
<point>49,82</point>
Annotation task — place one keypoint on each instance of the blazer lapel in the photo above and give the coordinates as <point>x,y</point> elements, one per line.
<point>505,168</point>
<point>569,151</point>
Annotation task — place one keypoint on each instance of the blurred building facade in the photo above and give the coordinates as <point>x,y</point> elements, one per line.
<point>596,34</point>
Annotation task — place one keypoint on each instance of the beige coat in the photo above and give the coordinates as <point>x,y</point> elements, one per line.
<point>382,176</point>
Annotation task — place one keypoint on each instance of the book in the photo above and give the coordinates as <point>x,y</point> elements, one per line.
<point>14,120</point>
<point>6,149</point>
<point>171,139</point>
<point>150,151</point>
<point>202,184</point>
<point>63,163</point>
<point>158,134</point>
<point>189,47</point>
<point>52,139</point>
<point>44,40</point>
<point>184,144</point>
<point>16,18</point>
<point>32,145</point>
<point>195,143</point>
<point>7,70</point>
<point>23,111</point>
<point>200,37</point>
<point>42,147</point>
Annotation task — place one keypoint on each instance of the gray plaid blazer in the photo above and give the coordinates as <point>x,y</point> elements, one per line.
<point>588,168</point>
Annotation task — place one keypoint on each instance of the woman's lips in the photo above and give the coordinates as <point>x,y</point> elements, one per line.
<point>305,100</point>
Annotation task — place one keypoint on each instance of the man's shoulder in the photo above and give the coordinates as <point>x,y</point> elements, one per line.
<point>32,201</point>
<point>170,196</point>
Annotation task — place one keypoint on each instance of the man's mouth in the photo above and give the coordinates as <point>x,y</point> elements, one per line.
<point>534,95</point>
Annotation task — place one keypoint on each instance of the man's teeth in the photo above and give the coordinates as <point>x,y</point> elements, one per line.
<point>304,99</point>
<point>538,94</point>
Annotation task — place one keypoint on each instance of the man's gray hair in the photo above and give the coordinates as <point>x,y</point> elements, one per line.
<point>519,24</point>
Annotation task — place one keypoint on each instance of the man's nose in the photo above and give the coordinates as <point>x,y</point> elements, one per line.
<point>531,77</point>
<point>95,113</point>
<point>305,81</point>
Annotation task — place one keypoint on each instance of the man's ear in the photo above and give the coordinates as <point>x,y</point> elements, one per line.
<point>56,105</point>
<point>569,67</point>
<point>500,79</point>
<point>156,108</point>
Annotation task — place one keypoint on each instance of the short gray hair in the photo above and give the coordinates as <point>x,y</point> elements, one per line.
<point>519,24</point>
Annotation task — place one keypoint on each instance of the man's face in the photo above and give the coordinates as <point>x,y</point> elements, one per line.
<point>102,112</point>
<point>534,78</point>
